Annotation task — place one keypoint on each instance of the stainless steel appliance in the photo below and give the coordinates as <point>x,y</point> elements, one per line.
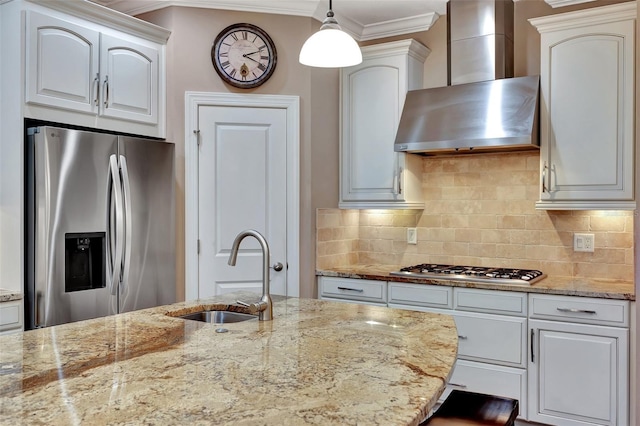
<point>472,274</point>
<point>100,225</point>
<point>482,109</point>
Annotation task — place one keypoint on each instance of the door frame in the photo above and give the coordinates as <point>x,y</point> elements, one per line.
<point>193,101</point>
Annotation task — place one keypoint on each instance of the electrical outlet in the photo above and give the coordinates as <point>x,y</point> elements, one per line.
<point>584,242</point>
<point>412,236</point>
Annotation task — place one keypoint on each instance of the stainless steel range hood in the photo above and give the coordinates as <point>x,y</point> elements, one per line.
<point>484,109</point>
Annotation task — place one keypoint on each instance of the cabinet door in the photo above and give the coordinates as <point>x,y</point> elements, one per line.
<point>61,64</point>
<point>129,87</point>
<point>371,106</point>
<point>578,374</point>
<point>11,316</point>
<point>373,175</point>
<point>492,338</point>
<point>587,145</point>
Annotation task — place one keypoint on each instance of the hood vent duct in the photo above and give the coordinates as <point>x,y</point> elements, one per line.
<point>483,108</point>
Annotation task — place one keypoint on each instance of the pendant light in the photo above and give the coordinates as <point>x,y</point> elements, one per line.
<point>330,47</point>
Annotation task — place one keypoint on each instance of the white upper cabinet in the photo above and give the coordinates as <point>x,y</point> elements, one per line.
<point>61,64</point>
<point>130,80</point>
<point>372,97</point>
<point>83,71</point>
<point>586,113</point>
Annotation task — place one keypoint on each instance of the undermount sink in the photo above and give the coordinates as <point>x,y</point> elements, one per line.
<point>219,317</point>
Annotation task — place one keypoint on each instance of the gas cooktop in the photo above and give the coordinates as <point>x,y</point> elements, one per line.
<point>472,274</point>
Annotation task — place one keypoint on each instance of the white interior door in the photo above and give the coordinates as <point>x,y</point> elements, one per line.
<point>242,184</point>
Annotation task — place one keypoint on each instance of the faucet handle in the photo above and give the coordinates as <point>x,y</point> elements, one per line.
<point>254,308</point>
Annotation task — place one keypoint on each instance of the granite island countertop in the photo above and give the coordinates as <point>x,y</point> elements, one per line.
<point>605,289</point>
<point>316,363</point>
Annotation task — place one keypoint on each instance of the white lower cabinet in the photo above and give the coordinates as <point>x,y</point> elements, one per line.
<point>11,317</point>
<point>578,372</point>
<point>492,335</point>
<point>564,358</point>
<point>366,292</point>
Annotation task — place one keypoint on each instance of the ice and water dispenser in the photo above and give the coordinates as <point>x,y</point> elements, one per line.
<point>84,265</point>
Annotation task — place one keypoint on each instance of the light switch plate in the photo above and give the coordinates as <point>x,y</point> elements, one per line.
<point>583,242</point>
<point>412,236</point>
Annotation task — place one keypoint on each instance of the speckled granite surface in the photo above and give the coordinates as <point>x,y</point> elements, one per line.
<point>550,285</point>
<point>316,363</point>
<point>8,295</point>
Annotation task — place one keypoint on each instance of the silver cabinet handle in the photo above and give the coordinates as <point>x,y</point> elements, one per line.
<point>359,290</point>
<point>96,98</point>
<point>105,88</point>
<point>577,311</point>
<point>400,180</point>
<point>278,266</point>
<point>544,178</point>
<point>533,334</point>
<point>462,337</point>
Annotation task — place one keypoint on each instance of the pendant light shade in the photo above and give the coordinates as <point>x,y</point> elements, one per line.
<point>330,47</point>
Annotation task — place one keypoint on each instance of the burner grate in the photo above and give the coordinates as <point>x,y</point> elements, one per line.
<point>472,273</point>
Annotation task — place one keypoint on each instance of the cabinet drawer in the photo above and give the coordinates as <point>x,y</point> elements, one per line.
<point>493,338</point>
<point>353,289</point>
<point>490,379</point>
<point>580,309</point>
<point>421,295</point>
<point>489,301</point>
<point>11,315</point>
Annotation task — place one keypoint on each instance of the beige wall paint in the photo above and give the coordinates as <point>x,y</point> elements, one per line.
<point>189,68</point>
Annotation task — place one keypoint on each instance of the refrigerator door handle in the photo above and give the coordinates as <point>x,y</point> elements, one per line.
<point>127,222</point>
<point>115,260</point>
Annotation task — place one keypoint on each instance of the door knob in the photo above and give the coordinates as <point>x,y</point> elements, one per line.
<point>278,267</point>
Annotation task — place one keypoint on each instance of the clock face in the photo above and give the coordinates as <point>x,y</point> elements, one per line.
<point>244,55</point>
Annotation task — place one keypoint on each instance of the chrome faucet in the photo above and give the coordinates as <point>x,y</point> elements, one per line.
<point>265,306</point>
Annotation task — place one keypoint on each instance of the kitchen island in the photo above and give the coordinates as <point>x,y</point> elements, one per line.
<point>316,363</point>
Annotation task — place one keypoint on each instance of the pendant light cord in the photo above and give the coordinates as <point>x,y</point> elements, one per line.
<point>330,12</point>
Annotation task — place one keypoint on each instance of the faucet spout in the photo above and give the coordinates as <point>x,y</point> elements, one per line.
<point>265,306</point>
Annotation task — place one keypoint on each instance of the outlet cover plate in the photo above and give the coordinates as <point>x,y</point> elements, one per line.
<point>583,242</point>
<point>412,236</point>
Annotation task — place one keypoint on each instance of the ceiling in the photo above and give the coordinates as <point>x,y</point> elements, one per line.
<point>363,19</point>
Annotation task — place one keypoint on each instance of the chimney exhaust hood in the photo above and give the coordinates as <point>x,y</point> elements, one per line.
<point>484,109</point>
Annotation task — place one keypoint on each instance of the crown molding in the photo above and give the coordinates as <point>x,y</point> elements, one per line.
<point>288,7</point>
<point>586,17</point>
<point>312,9</point>
<point>401,26</point>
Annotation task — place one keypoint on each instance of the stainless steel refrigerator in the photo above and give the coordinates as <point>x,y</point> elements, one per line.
<point>100,225</point>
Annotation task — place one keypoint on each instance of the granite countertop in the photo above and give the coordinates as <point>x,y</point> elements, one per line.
<point>9,295</point>
<point>605,289</point>
<point>316,363</point>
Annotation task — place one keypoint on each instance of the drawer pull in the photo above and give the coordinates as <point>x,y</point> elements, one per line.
<point>359,290</point>
<point>533,336</point>
<point>577,311</point>
<point>457,385</point>
<point>462,337</point>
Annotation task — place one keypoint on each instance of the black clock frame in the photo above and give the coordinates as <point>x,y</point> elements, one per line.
<point>217,65</point>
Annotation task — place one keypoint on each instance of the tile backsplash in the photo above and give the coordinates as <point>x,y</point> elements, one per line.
<point>480,210</point>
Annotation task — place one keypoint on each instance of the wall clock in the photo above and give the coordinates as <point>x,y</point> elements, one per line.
<point>244,55</point>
